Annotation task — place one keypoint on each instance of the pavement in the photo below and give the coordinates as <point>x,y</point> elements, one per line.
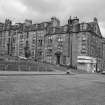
<point>25,73</point>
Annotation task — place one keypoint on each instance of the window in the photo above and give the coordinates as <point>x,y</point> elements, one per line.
<point>33,53</point>
<point>49,52</point>
<point>0,34</point>
<point>60,45</point>
<point>60,48</point>
<point>38,26</point>
<point>83,47</point>
<point>70,28</point>
<point>50,40</point>
<point>53,30</point>
<point>33,41</point>
<point>40,42</point>
<point>42,33</point>
<point>83,51</point>
<point>21,36</point>
<point>49,59</point>
<point>27,35</point>
<point>60,39</point>
<point>83,37</point>
<point>65,28</point>
<point>83,26</point>
<point>49,47</point>
<point>64,59</point>
<point>0,42</point>
<point>40,53</point>
<point>14,39</point>
<point>14,33</point>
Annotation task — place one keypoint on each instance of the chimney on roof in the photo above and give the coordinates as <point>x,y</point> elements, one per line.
<point>70,20</point>
<point>28,22</point>
<point>8,22</point>
<point>55,22</point>
<point>74,20</point>
<point>95,19</point>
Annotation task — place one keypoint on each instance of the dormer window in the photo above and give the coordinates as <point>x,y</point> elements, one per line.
<point>83,26</point>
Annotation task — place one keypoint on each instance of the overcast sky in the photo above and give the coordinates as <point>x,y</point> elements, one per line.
<point>43,10</point>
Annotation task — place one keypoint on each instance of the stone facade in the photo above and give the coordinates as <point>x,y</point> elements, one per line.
<point>56,45</point>
<point>49,42</point>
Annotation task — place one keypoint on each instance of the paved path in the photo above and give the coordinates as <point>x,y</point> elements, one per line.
<point>14,73</point>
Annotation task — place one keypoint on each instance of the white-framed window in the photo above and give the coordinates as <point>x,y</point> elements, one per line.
<point>83,38</point>
<point>60,39</point>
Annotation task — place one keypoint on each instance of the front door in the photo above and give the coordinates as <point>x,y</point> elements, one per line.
<point>58,59</point>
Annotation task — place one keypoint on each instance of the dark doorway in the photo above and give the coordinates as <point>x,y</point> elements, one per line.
<point>58,59</point>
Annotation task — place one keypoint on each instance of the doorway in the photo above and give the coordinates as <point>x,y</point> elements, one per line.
<point>58,59</point>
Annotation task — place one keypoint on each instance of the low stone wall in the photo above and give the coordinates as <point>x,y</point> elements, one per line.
<point>23,66</point>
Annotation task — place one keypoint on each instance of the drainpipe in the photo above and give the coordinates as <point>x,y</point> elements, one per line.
<point>70,46</point>
<point>71,50</point>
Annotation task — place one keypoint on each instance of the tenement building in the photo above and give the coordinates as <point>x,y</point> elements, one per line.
<point>76,44</point>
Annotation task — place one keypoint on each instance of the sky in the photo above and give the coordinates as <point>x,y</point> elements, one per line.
<point>43,10</point>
